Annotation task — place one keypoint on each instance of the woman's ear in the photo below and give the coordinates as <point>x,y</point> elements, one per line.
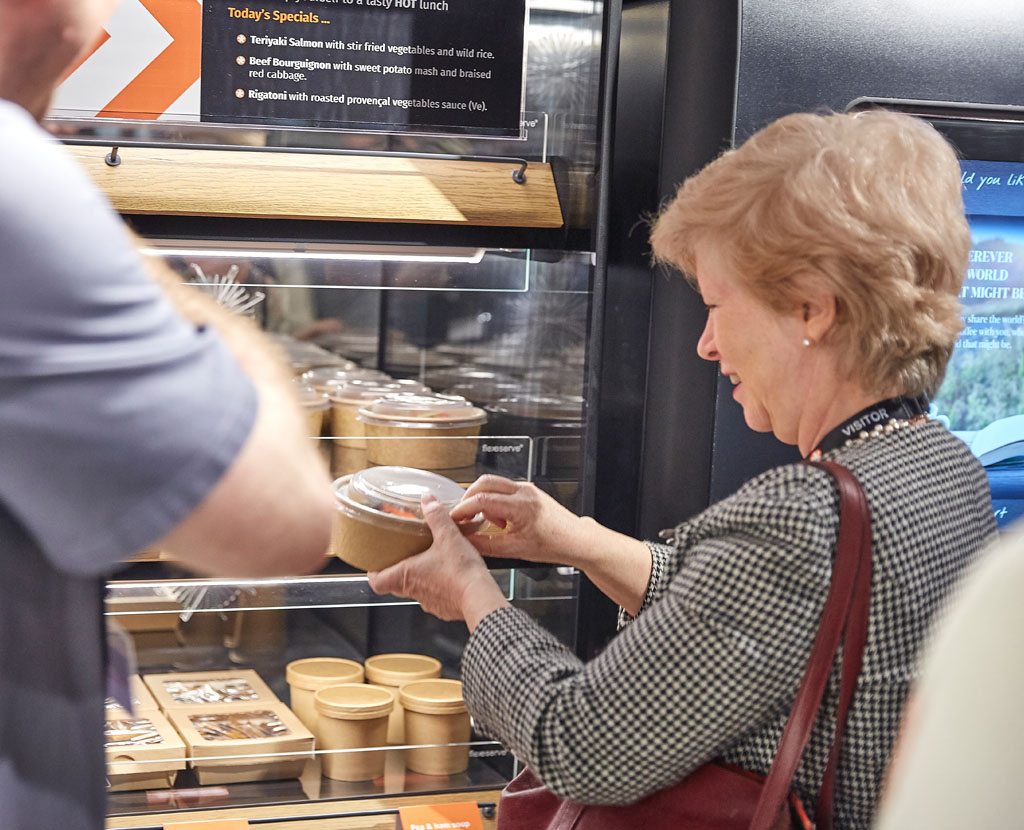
<point>819,314</point>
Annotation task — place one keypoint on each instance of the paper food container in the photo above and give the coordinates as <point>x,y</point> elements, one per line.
<point>144,609</point>
<point>393,672</point>
<point>142,701</point>
<point>431,432</point>
<point>189,690</point>
<point>438,724</point>
<point>315,405</point>
<point>307,676</point>
<point>378,520</point>
<point>143,751</point>
<point>231,744</point>
<point>352,716</point>
<point>351,396</point>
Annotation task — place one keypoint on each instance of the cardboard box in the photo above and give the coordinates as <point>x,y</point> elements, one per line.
<point>230,744</point>
<point>143,610</point>
<point>190,690</point>
<point>144,752</point>
<point>142,701</point>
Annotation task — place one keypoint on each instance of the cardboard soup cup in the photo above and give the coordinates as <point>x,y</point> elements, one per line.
<point>352,716</point>
<point>436,721</point>
<point>306,677</point>
<point>393,671</point>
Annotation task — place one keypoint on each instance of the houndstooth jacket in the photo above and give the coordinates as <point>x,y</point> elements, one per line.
<point>710,666</point>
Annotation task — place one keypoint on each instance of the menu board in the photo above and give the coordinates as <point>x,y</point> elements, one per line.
<point>426,66</point>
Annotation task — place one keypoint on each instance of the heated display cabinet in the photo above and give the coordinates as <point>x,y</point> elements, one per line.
<point>424,260</point>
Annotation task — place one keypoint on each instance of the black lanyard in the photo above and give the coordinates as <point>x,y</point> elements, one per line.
<point>868,418</point>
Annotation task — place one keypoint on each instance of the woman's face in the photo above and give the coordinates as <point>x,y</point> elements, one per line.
<point>758,348</point>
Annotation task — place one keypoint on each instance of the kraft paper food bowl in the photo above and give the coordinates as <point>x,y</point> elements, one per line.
<point>349,397</point>
<point>315,405</point>
<point>378,520</point>
<point>431,432</point>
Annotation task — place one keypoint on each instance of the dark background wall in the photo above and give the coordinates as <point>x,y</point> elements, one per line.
<point>798,56</point>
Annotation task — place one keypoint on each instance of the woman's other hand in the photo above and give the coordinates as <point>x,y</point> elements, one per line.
<point>449,579</point>
<point>537,528</point>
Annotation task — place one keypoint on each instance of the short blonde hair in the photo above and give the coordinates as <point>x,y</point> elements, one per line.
<point>869,204</point>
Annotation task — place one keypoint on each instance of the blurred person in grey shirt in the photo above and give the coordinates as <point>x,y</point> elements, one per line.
<point>133,412</point>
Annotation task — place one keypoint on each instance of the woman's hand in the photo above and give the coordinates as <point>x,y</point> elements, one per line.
<point>537,528</point>
<point>449,579</point>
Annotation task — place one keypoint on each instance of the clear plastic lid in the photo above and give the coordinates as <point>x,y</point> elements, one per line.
<point>485,391</point>
<point>412,406</point>
<point>397,491</point>
<point>433,697</point>
<point>396,669</point>
<point>312,673</point>
<point>354,701</point>
<point>304,354</point>
<point>326,377</point>
<point>310,398</point>
<point>548,407</point>
<point>362,390</point>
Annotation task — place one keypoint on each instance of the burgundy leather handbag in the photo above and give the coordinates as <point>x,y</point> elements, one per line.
<point>720,796</point>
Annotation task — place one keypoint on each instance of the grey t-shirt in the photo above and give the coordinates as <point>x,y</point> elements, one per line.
<point>116,418</point>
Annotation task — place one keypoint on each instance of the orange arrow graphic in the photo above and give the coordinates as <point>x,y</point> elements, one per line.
<point>88,53</point>
<point>151,93</point>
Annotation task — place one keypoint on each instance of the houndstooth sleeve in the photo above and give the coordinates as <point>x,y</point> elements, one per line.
<point>661,558</point>
<point>718,652</point>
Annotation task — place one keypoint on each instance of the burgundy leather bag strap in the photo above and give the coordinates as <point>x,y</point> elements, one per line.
<point>844,618</point>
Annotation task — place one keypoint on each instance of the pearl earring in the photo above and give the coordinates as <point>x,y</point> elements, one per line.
<point>807,341</point>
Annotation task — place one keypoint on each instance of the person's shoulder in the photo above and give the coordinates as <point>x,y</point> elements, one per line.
<point>800,484</point>
<point>790,502</point>
<point>15,118</point>
<point>34,165</point>
<point>19,133</point>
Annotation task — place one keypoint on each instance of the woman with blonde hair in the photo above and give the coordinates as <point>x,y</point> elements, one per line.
<point>830,251</point>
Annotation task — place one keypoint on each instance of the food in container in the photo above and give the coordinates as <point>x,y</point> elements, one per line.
<point>143,751</point>
<point>393,671</point>
<point>351,396</point>
<point>189,690</point>
<point>437,727</point>
<point>305,677</point>
<point>315,405</point>
<point>432,432</point>
<point>379,521</point>
<point>228,743</point>
<point>352,716</point>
